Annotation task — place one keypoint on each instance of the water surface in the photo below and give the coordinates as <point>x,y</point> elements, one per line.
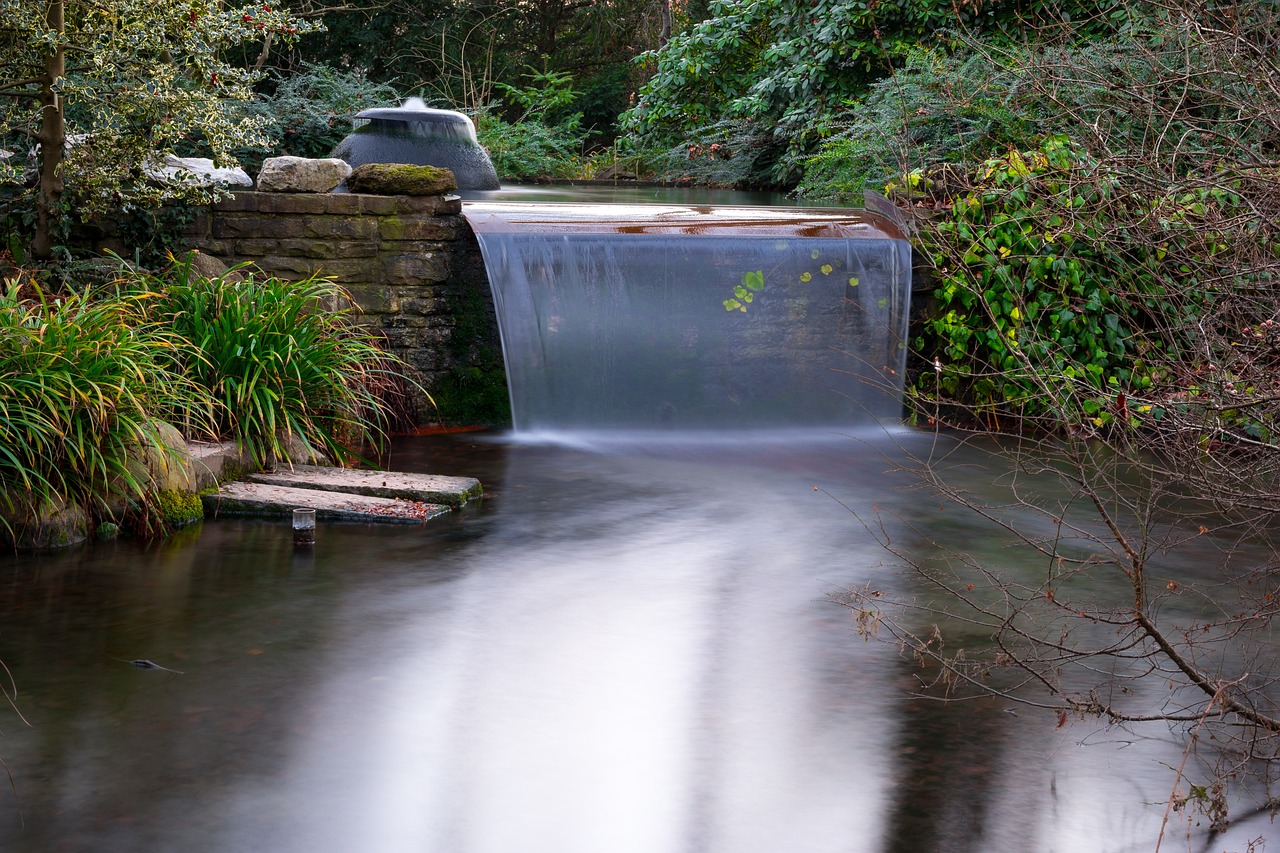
<point>629,646</point>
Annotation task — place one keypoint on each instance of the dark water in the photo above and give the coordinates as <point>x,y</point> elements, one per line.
<point>627,648</point>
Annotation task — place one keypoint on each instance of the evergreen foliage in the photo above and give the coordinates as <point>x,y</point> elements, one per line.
<point>106,90</point>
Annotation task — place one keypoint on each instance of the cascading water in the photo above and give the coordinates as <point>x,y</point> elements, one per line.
<point>661,317</point>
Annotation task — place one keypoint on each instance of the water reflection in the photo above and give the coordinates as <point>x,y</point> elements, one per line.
<point>624,652</point>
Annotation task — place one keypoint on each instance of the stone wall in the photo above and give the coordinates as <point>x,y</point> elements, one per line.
<point>411,263</point>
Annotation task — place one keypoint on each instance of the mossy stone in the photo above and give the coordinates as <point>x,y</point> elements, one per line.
<point>401,179</point>
<point>179,508</point>
<point>46,528</point>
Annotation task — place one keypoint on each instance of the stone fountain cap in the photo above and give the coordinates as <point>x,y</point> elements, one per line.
<point>414,114</point>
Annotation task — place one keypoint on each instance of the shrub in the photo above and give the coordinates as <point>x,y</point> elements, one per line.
<point>1033,289</point>
<point>546,138</point>
<point>529,149</point>
<point>936,109</point>
<point>1070,296</point>
<point>82,379</point>
<point>280,358</point>
<point>310,112</point>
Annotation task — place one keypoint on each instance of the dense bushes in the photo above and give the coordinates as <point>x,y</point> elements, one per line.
<point>795,70</point>
<point>276,358</point>
<point>309,111</point>
<point>82,378</point>
<point>541,136</point>
<point>86,377</point>
<point>1038,305</point>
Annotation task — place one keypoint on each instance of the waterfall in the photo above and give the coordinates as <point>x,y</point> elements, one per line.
<point>696,318</point>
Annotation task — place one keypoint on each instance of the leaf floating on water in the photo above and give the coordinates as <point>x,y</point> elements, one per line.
<point>753,280</point>
<point>814,254</point>
<point>826,269</point>
<point>853,281</point>
<point>806,276</point>
<point>1062,719</point>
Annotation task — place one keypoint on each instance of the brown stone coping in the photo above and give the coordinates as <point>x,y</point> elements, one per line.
<point>341,204</point>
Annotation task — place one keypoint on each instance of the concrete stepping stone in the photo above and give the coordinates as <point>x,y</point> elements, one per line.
<point>427,488</point>
<point>265,501</point>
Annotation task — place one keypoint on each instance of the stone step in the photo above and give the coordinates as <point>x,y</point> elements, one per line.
<point>427,488</point>
<point>264,501</point>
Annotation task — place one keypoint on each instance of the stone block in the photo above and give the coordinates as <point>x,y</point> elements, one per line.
<point>346,227</point>
<point>258,248</point>
<point>218,248</point>
<point>343,204</point>
<point>237,202</point>
<point>422,305</point>
<point>201,224</point>
<point>417,226</point>
<point>328,249</point>
<point>377,205</point>
<point>374,299</point>
<point>301,174</point>
<point>401,179</point>
<point>436,205</point>
<point>286,267</point>
<point>238,225</point>
<point>292,203</point>
<point>349,271</point>
<point>414,269</point>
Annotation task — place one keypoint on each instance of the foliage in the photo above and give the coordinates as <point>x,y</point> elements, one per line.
<point>545,138</point>
<point>280,358</point>
<point>548,99</point>
<point>937,108</point>
<point>454,53</point>
<point>744,293</point>
<point>151,235</point>
<point>106,89</point>
<point>730,153</point>
<point>82,379</point>
<point>1031,286</point>
<point>310,110</point>
<point>527,150</point>
<point>792,67</point>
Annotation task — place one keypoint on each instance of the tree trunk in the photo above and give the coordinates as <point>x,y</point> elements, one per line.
<point>52,137</point>
<point>665,35</point>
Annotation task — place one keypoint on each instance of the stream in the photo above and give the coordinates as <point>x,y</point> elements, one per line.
<point>627,647</point>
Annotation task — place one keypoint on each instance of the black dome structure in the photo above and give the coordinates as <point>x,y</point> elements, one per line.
<point>421,136</point>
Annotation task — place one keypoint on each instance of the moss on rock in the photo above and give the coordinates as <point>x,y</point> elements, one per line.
<point>178,508</point>
<point>401,179</point>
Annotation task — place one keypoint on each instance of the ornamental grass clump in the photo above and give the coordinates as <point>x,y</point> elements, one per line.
<point>83,379</point>
<point>281,359</point>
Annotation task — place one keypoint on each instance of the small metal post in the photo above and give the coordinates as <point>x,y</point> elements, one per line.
<point>304,527</point>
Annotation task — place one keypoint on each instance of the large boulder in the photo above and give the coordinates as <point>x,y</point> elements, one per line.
<point>401,179</point>
<point>163,462</point>
<point>47,528</point>
<point>210,267</point>
<point>162,466</point>
<point>301,175</point>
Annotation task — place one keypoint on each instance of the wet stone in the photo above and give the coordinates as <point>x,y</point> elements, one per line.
<point>267,501</point>
<point>424,488</point>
